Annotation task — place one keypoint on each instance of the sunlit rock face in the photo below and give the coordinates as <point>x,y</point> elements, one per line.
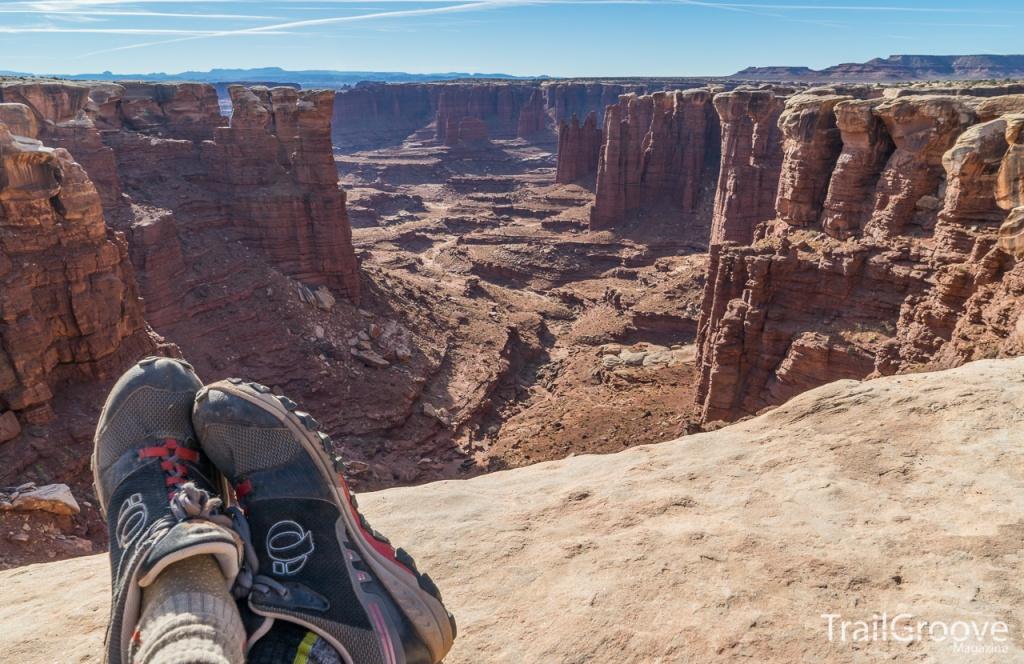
<point>906,258</point>
<point>659,152</point>
<point>69,304</point>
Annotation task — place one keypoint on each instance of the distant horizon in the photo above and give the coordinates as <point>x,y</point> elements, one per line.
<point>523,38</point>
<point>400,75</point>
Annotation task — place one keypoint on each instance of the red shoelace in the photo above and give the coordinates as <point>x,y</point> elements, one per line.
<point>173,454</point>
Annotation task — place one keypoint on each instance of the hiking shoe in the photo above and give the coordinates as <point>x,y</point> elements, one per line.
<point>320,564</point>
<point>155,488</point>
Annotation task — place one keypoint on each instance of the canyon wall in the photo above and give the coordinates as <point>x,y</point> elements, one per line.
<point>892,247</point>
<point>65,116</point>
<point>499,106</point>
<point>750,163</point>
<point>373,115</point>
<point>69,305</point>
<point>268,175</point>
<point>565,99</point>
<point>579,150</point>
<point>659,158</point>
<point>224,222</point>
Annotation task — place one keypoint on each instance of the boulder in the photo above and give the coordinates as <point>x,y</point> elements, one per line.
<point>10,428</point>
<point>52,498</point>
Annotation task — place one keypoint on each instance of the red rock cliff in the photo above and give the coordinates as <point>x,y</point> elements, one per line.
<point>579,150</point>
<point>373,115</point>
<point>750,163</point>
<point>658,153</point>
<point>69,306</point>
<point>275,165</point>
<point>534,122</point>
<point>65,117</point>
<point>269,175</point>
<point>811,145</point>
<point>499,105</point>
<point>903,265</point>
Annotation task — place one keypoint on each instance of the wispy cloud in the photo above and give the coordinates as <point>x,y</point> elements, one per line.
<point>120,13</point>
<point>358,11</point>
<point>290,25</point>
<point>18,29</point>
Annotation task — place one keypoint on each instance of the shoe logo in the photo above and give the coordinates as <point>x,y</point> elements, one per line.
<point>131,519</point>
<point>289,546</point>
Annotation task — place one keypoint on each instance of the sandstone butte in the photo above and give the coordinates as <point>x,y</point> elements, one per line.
<point>655,158</point>
<point>897,494</point>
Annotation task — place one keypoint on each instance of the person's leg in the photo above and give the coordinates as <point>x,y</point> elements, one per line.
<point>189,617</point>
<point>173,557</point>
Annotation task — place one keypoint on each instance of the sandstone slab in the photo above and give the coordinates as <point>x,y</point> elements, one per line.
<point>842,501</point>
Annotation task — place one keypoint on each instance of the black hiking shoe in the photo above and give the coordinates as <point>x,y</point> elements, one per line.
<point>320,565</point>
<point>155,488</point>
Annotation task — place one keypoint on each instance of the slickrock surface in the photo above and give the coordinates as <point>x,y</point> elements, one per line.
<point>659,157</point>
<point>883,257</point>
<point>579,150</point>
<point>902,495</point>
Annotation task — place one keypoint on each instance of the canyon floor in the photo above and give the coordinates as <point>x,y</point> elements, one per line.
<point>513,334</point>
<point>602,326</point>
<point>901,494</point>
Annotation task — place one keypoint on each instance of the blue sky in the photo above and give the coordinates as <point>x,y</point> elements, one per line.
<point>524,37</point>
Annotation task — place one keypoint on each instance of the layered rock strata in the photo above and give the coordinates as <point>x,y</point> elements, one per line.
<point>811,145</point>
<point>534,122</point>
<point>374,115</point>
<point>269,174</point>
<point>224,222</point>
<point>579,150</point>
<point>566,98</point>
<point>903,257</point>
<point>65,116</point>
<point>69,305</point>
<point>499,106</point>
<point>750,163</point>
<point>659,155</point>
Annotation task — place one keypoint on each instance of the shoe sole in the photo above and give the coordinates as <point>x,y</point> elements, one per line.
<point>427,615</point>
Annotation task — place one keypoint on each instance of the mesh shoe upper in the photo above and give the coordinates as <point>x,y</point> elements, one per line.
<point>305,533</point>
<point>154,486</point>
